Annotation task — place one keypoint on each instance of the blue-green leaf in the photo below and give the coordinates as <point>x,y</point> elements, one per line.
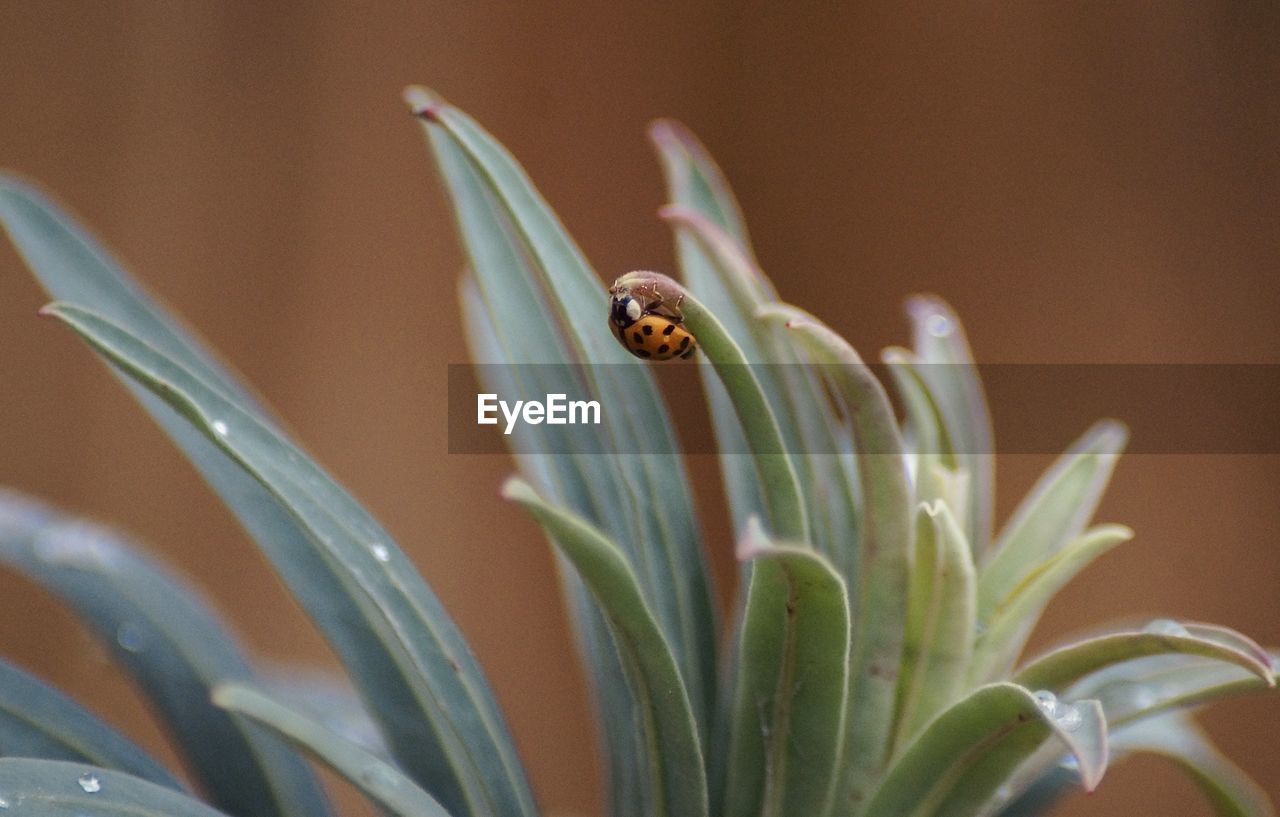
<point>643,501</point>
<point>37,720</point>
<point>792,683</point>
<point>1053,513</point>
<point>57,788</point>
<point>964,756</point>
<point>1059,669</point>
<point>163,633</point>
<point>675,758</point>
<point>380,781</point>
<point>1014,613</point>
<point>886,541</point>
<point>940,621</point>
<point>952,377</point>
<point>405,654</point>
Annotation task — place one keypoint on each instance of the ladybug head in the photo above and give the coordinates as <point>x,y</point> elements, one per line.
<point>624,310</point>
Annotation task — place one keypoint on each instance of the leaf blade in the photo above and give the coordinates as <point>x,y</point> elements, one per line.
<point>676,759</point>
<point>404,652</point>
<point>380,781</point>
<point>792,682</point>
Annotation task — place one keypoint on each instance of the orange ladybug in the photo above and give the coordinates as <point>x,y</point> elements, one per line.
<point>654,333</point>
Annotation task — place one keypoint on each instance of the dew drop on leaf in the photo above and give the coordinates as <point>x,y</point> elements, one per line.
<point>130,637</point>
<point>1068,717</point>
<point>90,783</point>
<point>1047,701</point>
<point>938,325</point>
<point>220,428</point>
<point>380,552</point>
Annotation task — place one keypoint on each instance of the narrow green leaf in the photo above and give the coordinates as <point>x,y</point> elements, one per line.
<point>660,534</point>
<point>1052,514</point>
<point>160,629</point>
<point>735,289</point>
<point>964,755</point>
<point>1060,668</point>
<point>405,654</point>
<point>952,377</point>
<point>574,484</point>
<point>1015,612</point>
<point>940,621</point>
<point>792,682</point>
<point>675,754</point>
<point>58,788</point>
<point>1230,791</point>
<point>1174,736</point>
<point>695,180</point>
<point>774,464</point>
<point>1150,686</point>
<point>886,543</point>
<point>37,720</point>
<point>380,781</point>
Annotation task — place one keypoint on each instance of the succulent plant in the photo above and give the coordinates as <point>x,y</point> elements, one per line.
<point>873,663</point>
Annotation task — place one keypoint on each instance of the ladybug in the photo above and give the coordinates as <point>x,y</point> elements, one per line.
<point>652,333</point>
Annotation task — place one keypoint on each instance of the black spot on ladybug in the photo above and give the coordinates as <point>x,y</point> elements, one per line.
<point>648,330</point>
<point>663,349</point>
<point>688,354</point>
<point>641,352</point>
<point>671,327</point>
<point>684,342</point>
<point>639,337</point>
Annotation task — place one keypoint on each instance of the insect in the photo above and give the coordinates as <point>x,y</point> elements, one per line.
<point>652,331</point>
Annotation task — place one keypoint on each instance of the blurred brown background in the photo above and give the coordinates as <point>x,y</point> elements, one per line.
<point>1096,182</point>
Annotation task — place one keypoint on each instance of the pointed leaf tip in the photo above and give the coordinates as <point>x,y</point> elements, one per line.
<point>753,542</point>
<point>422,102</point>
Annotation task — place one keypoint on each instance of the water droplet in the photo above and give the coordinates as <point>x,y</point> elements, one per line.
<point>131,637</point>
<point>1165,626</point>
<point>938,325</point>
<point>90,783</point>
<point>219,428</point>
<point>380,552</point>
<point>1068,717</point>
<point>1046,700</point>
<point>4,804</point>
<point>1003,794</point>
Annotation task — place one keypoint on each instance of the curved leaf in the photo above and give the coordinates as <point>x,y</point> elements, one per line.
<point>1229,790</point>
<point>952,378</point>
<point>405,654</point>
<point>1174,736</point>
<point>1059,669</point>
<point>162,632</point>
<point>769,451</point>
<point>70,266</point>
<point>675,755</point>
<point>1052,514</point>
<point>965,754</point>
<point>735,289</point>
<point>886,542</point>
<point>792,682</point>
<point>940,621</point>
<point>57,788</point>
<point>381,782</point>
<point>1149,686</point>
<point>1015,613</point>
<point>37,720</point>
<point>659,532</point>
